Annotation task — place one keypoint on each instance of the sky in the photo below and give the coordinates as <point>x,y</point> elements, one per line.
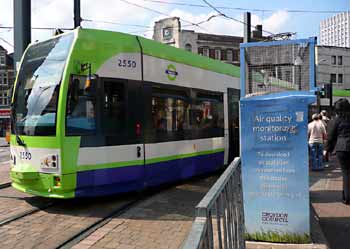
<point>274,15</point>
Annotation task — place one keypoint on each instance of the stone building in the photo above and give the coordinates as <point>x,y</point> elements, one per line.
<point>333,66</point>
<point>220,47</point>
<point>7,77</point>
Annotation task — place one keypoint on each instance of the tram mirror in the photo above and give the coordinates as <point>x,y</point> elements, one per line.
<point>90,82</point>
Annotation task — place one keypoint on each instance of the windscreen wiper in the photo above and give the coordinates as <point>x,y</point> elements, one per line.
<point>18,139</point>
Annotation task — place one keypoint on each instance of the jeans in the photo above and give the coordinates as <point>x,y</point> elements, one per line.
<point>316,150</point>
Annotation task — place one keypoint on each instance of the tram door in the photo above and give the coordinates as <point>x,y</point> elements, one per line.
<point>122,127</point>
<point>136,125</point>
<point>233,96</point>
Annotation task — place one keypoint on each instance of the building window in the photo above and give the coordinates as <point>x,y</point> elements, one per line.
<point>223,55</point>
<point>229,55</point>
<point>2,60</point>
<point>188,47</point>
<point>212,53</point>
<point>340,78</point>
<point>217,54</point>
<point>3,79</point>
<point>3,98</point>
<point>206,51</point>
<point>333,78</point>
<point>340,60</point>
<point>236,55</point>
<point>334,60</point>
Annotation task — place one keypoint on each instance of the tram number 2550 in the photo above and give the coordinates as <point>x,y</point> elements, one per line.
<point>25,155</point>
<point>126,63</point>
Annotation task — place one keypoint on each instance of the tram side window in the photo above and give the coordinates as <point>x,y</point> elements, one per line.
<point>113,116</point>
<point>170,116</point>
<point>207,116</point>
<point>81,108</point>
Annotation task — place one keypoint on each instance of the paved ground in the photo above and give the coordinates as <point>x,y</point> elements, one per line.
<point>163,221</point>
<point>325,196</point>
<point>4,164</point>
<point>4,172</point>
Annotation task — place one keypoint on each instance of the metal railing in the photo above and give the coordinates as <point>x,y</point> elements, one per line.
<point>219,221</point>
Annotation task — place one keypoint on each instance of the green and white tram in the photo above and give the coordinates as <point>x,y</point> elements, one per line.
<point>98,112</point>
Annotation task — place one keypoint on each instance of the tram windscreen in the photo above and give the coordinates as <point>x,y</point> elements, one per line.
<point>37,89</point>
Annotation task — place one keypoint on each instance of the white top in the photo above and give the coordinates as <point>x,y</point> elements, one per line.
<point>316,132</point>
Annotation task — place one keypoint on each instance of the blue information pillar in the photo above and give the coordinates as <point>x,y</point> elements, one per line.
<point>274,148</point>
<point>275,167</point>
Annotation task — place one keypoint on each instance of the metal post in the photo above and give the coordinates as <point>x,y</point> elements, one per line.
<point>22,28</point>
<point>247,27</point>
<point>331,97</point>
<point>77,17</point>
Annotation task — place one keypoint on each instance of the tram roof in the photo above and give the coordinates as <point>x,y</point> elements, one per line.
<point>159,50</point>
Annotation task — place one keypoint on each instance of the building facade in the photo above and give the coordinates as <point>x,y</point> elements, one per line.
<point>7,76</point>
<point>333,67</point>
<point>335,31</point>
<point>220,47</point>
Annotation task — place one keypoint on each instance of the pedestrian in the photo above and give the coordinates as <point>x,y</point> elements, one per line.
<point>339,142</point>
<point>325,120</point>
<point>316,135</point>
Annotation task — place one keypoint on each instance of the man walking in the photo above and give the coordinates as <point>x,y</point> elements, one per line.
<point>316,135</point>
<point>339,141</point>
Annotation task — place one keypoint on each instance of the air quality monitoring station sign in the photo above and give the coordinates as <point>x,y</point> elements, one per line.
<point>275,167</point>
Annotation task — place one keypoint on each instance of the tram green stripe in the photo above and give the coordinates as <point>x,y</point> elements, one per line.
<point>109,165</point>
<point>149,161</point>
<point>181,156</point>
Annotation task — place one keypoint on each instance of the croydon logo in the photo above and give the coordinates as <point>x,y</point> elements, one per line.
<point>171,72</point>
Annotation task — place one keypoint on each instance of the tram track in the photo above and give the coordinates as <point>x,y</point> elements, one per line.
<point>5,185</point>
<point>75,239</point>
<point>24,213</point>
<point>15,205</point>
<point>73,220</point>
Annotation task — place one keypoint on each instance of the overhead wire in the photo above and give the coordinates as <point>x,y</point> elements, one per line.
<point>230,17</point>
<point>161,13</point>
<point>37,28</point>
<point>246,9</point>
<point>115,23</point>
<point>187,25</point>
<point>8,43</point>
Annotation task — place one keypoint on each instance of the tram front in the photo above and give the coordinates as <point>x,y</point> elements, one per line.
<point>36,137</point>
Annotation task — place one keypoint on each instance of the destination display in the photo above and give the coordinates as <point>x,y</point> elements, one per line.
<point>274,157</point>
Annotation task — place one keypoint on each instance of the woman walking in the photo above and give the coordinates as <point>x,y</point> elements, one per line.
<point>339,141</point>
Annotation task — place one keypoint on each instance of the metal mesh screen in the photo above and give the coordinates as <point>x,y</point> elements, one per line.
<point>277,68</point>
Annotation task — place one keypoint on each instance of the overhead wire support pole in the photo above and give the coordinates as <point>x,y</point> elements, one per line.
<point>22,28</point>
<point>77,15</point>
<point>247,27</point>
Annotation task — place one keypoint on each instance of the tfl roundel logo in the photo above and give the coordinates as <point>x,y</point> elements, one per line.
<point>171,72</point>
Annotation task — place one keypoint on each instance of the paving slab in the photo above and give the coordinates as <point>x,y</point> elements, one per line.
<point>163,221</point>
<point>4,172</point>
<point>334,216</point>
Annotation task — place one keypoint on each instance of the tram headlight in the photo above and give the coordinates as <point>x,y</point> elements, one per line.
<point>50,161</point>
